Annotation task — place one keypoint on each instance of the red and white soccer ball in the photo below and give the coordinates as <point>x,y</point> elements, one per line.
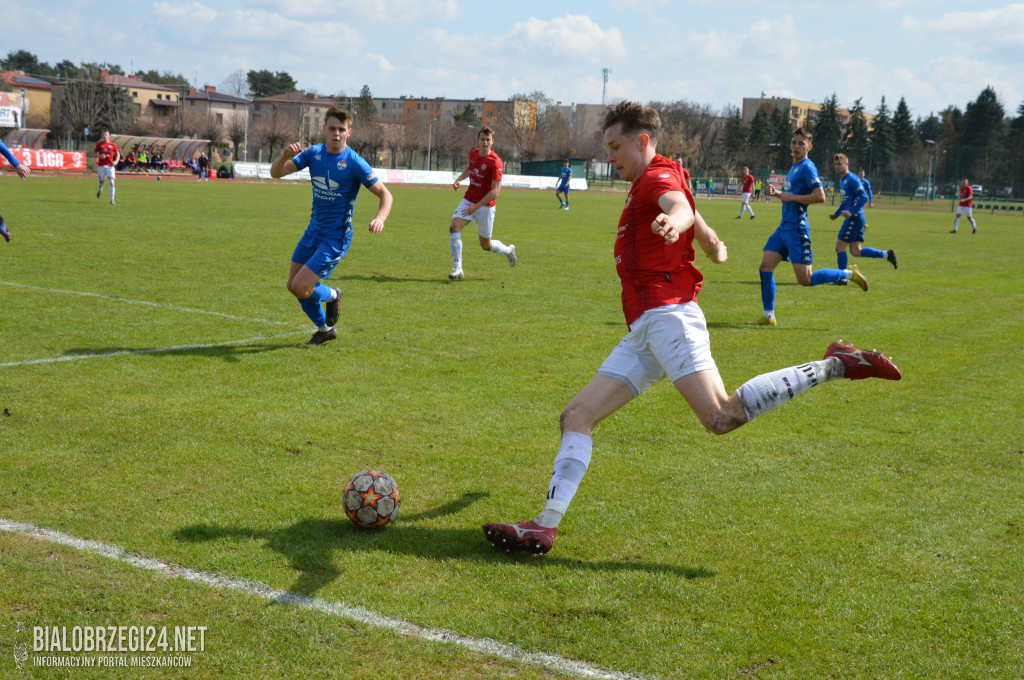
<point>372,499</point>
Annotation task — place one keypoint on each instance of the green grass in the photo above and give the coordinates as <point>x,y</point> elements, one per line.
<point>866,530</point>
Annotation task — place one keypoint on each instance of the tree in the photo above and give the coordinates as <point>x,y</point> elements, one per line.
<point>467,117</point>
<point>735,134</point>
<point>982,138</point>
<point>759,136</point>
<point>881,150</point>
<point>266,84</point>
<point>782,128</point>
<point>275,130</point>
<point>365,111</point>
<point>167,79</point>
<point>94,105</point>
<point>27,63</point>
<point>856,141</point>
<point>235,129</point>
<point>235,84</point>
<point>902,129</point>
<point>828,132</point>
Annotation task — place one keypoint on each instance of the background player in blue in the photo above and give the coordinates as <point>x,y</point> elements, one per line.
<point>23,172</point>
<point>336,172</point>
<point>851,234</point>
<point>867,188</point>
<point>792,239</point>
<point>564,175</point>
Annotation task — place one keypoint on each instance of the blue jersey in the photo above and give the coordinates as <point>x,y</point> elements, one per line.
<point>801,180</point>
<point>564,175</point>
<point>336,178</point>
<point>854,196</point>
<point>867,189</point>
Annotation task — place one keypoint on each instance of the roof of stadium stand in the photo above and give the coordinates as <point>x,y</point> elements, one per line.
<point>26,138</point>
<point>172,149</point>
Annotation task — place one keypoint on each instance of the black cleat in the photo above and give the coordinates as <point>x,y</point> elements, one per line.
<point>891,257</point>
<point>333,308</point>
<point>320,337</point>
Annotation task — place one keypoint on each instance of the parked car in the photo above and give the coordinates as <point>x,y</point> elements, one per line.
<point>1005,192</point>
<point>978,189</point>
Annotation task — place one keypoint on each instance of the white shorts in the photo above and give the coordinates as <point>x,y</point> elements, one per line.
<point>484,217</point>
<point>746,197</point>
<point>105,172</point>
<point>964,210</point>
<point>670,341</point>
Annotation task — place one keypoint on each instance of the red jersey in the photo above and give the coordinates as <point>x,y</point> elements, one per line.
<point>483,171</point>
<point>748,184</point>
<point>105,152</point>
<point>966,194</point>
<point>654,274</point>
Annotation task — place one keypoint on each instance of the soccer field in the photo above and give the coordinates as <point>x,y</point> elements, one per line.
<point>173,455</point>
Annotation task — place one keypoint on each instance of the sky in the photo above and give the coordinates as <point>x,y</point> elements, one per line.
<point>934,53</point>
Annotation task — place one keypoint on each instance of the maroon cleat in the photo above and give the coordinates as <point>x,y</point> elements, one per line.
<point>860,364</point>
<point>520,537</point>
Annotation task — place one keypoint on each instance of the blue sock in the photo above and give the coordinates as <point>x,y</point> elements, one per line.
<point>768,291</point>
<point>827,276</point>
<point>312,305</point>
<point>872,252</point>
<point>842,259</point>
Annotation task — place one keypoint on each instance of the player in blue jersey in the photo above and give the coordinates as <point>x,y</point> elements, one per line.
<point>867,188</point>
<point>336,172</point>
<point>564,175</point>
<point>792,239</point>
<point>851,234</point>
<point>23,172</point>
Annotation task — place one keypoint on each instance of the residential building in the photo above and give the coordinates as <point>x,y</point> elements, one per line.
<point>155,102</point>
<point>800,112</point>
<point>36,96</point>
<point>304,111</point>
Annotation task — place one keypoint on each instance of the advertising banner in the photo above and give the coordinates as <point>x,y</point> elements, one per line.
<point>388,176</point>
<point>48,159</point>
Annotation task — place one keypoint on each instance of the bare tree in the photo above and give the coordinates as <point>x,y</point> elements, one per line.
<point>236,84</point>
<point>275,130</point>
<point>235,130</point>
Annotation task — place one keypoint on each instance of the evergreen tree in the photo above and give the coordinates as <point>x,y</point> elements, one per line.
<point>365,111</point>
<point>782,129</point>
<point>855,141</point>
<point>983,135</point>
<point>902,129</point>
<point>468,116</point>
<point>828,132</point>
<point>266,84</point>
<point>735,134</point>
<point>881,150</point>
<point>760,134</point>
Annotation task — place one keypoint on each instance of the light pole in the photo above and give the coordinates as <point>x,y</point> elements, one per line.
<point>931,171</point>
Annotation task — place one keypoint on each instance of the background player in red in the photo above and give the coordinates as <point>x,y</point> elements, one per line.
<point>484,172</point>
<point>667,336</point>
<point>107,156</point>
<point>746,188</point>
<point>966,207</point>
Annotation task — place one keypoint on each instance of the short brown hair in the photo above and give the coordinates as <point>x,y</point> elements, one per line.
<point>841,157</point>
<point>341,115</point>
<point>803,132</point>
<point>485,130</point>
<point>635,119</point>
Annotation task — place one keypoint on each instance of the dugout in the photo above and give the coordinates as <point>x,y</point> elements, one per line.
<point>171,148</point>
<point>551,168</point>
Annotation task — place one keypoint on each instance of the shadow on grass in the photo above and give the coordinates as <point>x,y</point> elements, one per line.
<point>385,278</point>
<point>310,546</point>
<point>229,353</point>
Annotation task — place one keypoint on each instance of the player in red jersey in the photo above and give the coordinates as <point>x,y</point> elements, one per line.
<point>746,188</point>
<point>107,156</point>
<point>668,337</point>
<point>484,172</point>
<point>966,207</point>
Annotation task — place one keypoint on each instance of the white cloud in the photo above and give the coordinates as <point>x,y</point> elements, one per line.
<point>377,11</point>
<point>574,37</point>
<point>1004,25</point>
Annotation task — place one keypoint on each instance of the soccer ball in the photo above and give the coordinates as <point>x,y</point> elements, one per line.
<point>372,499</point>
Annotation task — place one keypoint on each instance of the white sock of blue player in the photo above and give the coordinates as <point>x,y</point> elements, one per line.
<point>456,242</point>
<point>571,464</point>
<point>771,390</point>
<point>498,247</point>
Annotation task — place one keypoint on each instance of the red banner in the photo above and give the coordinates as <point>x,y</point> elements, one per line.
<point>48,159</point>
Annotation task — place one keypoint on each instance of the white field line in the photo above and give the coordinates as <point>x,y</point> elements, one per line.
<point>146,303</point>
<point>366,617</point>
<point>151,350</point>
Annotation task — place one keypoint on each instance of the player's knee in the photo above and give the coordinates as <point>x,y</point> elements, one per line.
<point>855,251</point>
<point>720,420</point>
<point>575,419</point>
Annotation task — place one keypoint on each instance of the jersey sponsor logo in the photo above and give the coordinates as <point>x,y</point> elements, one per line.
<point>324,183</point>
<point>342,165</point>
<point>664,176</point>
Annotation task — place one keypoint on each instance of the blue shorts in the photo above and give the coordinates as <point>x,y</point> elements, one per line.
<point>321,254</point>
<point>793,245</point>
<point>562,188</point>
<point>852,230</point>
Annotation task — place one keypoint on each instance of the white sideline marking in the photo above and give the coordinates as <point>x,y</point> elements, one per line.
<point>551,662</point>
<point>145,302</point>
<point>150,350</point>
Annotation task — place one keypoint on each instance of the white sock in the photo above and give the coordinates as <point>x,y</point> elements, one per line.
<point>111,191</point>
<point>956,222</point>
<point>571,464</point>
<point>771,390</point>
<point>498,247</point>
<point>456,242</point>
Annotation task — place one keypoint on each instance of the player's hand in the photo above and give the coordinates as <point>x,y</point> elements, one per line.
<point>291,150</point>
<point>455,185</point>
<point>376,225</point>
<point>832,217</point>
<point>664,227</point>
<point>23,171</point>
<point>846,213</point>
<point>718,252</point>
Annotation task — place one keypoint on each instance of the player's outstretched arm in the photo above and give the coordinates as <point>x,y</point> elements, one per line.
<point>676,216</point>
<point>712,246</point>
<point>384,208</point>
<point>283,164</point>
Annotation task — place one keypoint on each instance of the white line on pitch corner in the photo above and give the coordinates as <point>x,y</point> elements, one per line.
<point>146,303</point>
<point>150,350</point>
<point>551,662</point>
